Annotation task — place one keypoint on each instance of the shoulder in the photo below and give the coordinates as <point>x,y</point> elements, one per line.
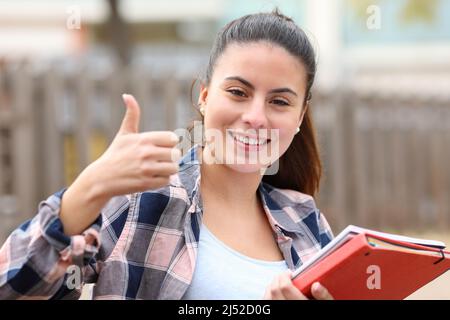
<point>302,203</point>
<point>301,208</point>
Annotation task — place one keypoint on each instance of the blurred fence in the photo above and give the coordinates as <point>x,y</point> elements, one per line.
<point>386,158</point>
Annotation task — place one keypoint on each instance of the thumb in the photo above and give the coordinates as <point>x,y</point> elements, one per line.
<point>130,122</point>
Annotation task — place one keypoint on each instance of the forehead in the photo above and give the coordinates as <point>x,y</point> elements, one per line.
<point>261,63</point>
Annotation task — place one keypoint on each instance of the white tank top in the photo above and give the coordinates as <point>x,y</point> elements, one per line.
<point>222,273</point>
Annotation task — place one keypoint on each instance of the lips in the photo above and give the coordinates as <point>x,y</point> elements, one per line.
<point>249,140</point>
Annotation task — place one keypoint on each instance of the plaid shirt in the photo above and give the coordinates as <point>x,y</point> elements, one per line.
<point>144,245</point>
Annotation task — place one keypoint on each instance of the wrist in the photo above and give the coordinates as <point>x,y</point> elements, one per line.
<point>93,187</point>
<point>82,202</point>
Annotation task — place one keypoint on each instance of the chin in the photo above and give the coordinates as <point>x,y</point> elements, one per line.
<point>246,168</point>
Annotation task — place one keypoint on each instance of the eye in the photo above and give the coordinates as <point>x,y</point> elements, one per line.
<point>237,92</point>
<point>280,102</point>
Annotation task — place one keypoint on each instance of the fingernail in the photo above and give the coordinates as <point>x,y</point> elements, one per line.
<point>124,97</point>
<point>175,138</point>
<point>318,287</point>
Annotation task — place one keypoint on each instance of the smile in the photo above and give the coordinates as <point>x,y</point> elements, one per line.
<point>250,141</point>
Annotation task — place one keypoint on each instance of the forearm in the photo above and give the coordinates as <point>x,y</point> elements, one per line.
<point>81,203</point>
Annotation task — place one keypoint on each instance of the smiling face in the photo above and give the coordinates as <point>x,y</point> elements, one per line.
<point>255,101</point>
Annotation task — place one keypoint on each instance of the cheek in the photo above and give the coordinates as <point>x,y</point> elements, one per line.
<point>286,124</point>
<point>286,138</point>
<point>220,113</point>
<point>287,130</point>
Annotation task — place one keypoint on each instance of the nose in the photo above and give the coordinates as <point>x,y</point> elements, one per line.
<point>255,115</point>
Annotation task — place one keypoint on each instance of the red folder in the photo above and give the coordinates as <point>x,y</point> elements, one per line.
<point>370,266</point>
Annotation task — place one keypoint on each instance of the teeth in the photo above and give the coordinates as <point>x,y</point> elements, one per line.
<point>250,141</point>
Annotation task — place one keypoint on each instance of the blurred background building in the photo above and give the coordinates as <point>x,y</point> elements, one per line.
<point>381,101</point>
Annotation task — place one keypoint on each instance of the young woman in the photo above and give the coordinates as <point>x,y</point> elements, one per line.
<point>143,225</point>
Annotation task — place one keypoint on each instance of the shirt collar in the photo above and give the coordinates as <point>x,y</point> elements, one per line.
<point>278,216</point>
<point>189,174</point>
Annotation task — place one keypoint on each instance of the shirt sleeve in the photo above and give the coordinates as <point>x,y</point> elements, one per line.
<point>36,256</point>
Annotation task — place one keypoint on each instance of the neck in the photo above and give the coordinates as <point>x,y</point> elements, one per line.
<point>226,186</point>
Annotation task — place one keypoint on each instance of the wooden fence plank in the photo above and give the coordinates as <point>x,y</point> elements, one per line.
<point>3,155</point>
<point>52,161</point>
<point>339,147</point>
<point>171,95</point>
<point>140,82</point>
<point>362,194</point>
<point>399,179</point>
<point>24,144</point>
<point>83,121</point>
<point>438,178</point>
<point>115,85</point>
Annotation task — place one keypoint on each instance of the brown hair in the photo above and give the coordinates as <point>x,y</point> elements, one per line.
<point>300,167</point>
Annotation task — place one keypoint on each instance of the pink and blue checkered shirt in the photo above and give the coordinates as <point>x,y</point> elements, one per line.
<point>144,245</point>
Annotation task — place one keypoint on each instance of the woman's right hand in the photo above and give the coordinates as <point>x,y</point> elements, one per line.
<point>134,162</point>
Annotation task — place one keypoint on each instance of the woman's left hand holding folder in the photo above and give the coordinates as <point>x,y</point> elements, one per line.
<point>282,288</point>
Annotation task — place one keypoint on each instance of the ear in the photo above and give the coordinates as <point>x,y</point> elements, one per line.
<point>202,98</point>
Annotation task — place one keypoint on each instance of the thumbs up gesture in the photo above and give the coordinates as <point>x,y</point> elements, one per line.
<point>135,162</point>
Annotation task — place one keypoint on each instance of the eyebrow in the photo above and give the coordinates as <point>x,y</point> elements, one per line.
<point>248,84</point>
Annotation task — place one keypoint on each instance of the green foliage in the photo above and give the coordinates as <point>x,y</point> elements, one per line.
<point>413,11</point>
<point>419,10</point>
